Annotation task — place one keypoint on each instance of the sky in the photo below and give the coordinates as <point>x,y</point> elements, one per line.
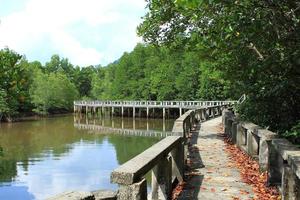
<point>87,32</point>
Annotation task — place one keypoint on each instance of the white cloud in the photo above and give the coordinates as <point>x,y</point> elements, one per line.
<point>43,26</point>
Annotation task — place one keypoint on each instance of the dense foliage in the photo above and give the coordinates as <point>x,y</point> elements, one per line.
<point>254,45</point>
<point>152,73</point>
<point>52,92</point>
<point>30,86</point>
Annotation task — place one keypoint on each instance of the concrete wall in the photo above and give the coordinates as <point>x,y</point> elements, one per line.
<point>277,156</point>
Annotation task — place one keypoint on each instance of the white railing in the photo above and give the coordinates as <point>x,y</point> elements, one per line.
<point>165,104</point>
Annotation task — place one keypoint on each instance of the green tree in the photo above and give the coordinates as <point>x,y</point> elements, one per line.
<point>52,92</point>
<point>253,45</point>
<point>3,105</point>
<point>13,81</point>
<point>101,83</point>
<point>83,79</point>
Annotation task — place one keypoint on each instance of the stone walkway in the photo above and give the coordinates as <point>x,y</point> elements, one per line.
<point>212,174</point>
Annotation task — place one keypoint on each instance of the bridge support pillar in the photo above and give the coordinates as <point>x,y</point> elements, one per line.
<point>147,112</point>
<point>180,111</point>
<point>94,110</point>
<point>112,111</point>
<point>133,112</point>
<point>122,111</point>
<point>164,113</point>
<point>162,179</point>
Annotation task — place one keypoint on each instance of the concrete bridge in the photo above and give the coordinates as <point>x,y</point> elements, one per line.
<point>135,107</point>
<point>194,159</point>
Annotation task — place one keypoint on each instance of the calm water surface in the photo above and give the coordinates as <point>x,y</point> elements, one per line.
<point>45,157</point>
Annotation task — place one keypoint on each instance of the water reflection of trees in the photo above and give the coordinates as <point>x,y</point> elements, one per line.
<point>129,146</point>
<point>28,142</point>
<point>24,144</point>
<point>8,170</point>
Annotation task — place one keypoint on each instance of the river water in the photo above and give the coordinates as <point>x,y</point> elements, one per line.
<point>41,158</point>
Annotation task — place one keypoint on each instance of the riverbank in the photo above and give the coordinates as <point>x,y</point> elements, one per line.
<point>32,117</point>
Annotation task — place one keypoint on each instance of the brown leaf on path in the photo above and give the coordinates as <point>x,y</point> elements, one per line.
<point>249,171</point>
<point>244,192</point>
<point>203,188</point>
<point>178,189</point>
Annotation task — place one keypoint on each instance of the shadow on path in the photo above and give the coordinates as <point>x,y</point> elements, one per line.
<point>208,174</point>
<point>193,177</point>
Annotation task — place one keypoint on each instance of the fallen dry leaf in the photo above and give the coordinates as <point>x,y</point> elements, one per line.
<point>249,171</point>
<point>203,188</point>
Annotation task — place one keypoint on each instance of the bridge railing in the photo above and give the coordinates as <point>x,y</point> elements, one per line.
<point>277,156</point>
<point>176,104</point>
<point>164,159</point>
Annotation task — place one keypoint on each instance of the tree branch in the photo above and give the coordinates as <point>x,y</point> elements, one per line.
<point>253,47</point>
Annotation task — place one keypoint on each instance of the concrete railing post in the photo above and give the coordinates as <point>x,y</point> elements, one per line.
<point>252,143</point>
<point>234,131</point>
<point>275,164</point>
<point>278,157</point>
<point>264,148</point>
<point>136,191</point>
<point>240,136</point>
<point>162,179</point>
<point>291,177</point>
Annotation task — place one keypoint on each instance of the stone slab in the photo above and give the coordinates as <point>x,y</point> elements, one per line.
<point>105,195</point>
<point>284,147</point>
<point>250,126</point>
<point>73,195</point>
<point>266,134</point>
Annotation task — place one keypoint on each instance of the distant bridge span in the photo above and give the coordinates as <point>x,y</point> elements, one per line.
<point>188,105</point>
